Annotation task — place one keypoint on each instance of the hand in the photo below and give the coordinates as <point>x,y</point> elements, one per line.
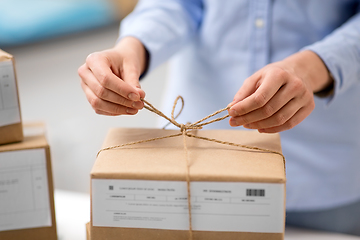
<point>280,95</point>
<point>110,79</point>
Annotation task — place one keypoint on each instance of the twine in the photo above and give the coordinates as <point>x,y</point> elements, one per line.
<point>184,131</point>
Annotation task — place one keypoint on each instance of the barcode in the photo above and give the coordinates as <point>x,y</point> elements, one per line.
<point>255,192</point>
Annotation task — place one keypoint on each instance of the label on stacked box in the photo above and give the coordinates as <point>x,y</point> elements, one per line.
<point>24,194</point>
<point>9,105</point>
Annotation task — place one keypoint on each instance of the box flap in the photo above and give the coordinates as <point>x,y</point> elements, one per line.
<point>5,56</point>
<point>209,161</point>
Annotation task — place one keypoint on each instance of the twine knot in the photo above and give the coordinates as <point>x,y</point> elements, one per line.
<point>183,128</point>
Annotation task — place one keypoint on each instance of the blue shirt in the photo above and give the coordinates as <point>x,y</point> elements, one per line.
<point>215,45</point>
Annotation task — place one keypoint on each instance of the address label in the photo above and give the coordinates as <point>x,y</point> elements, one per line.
<point>216,206</point>
<point>24,194</point>
<point>9,105</point>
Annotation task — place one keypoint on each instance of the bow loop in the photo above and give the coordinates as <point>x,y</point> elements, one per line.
<point>174,106</point>
<point>188,126</point>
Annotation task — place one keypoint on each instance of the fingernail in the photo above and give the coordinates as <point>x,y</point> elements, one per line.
<point>233,113</point>
<point>131,111</point>
<point>133,97</point>
<point>137,105</point>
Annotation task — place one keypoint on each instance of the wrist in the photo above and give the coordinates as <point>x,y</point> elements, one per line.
<point>135,48</point>
<point>308,65</point>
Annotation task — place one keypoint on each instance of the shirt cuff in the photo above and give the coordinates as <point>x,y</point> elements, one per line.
<point>330,94</point>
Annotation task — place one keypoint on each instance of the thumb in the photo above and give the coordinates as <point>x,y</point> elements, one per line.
<point>131,76</point>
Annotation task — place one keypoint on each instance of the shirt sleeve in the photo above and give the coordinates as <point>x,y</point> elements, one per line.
<point>163,26</point>
<point>340,51</point>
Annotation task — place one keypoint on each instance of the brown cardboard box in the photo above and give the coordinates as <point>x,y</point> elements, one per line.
<point>26,189</point>
<point>139,191</point>
<point>124,7</point>
<point>88,231</point>
<point>10,118</point>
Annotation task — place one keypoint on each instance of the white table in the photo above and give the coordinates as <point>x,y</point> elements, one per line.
<point>73,212</point>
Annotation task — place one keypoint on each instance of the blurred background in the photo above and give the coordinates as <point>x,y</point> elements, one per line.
<point>49,41</point>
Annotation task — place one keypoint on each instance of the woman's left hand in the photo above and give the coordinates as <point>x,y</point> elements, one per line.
<point>280,95</point>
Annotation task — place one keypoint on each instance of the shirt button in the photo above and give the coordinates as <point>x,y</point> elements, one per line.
<point>259,23</point>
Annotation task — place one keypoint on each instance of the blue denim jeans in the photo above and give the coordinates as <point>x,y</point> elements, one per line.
<point>344,219</point>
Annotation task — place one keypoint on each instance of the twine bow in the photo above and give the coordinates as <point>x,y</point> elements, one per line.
<point>184,131</point>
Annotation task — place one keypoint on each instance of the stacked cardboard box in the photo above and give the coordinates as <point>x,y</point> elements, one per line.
<point>88,237</point>
<point>124,7</point>
<point>26,187</point>
<point>10,117</point>
<point>140,191</point>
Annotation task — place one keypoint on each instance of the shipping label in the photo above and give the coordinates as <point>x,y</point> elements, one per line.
<point>9,106</point>
<point>24,193</point>
<point>215,206</point>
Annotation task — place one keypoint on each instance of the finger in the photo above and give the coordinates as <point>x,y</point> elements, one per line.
<point>278,119</point>
<point>287,117</point>
<point>106,113</point>
<point>292,122</point>
<point>101,69</point>
<point>100,106</point>
<point>281,98</point>
<point>111,114</point>
<point>266,89</point>
<point>105,94</point>
<point>131,75</point>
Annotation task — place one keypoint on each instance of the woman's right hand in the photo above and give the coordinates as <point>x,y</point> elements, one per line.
<point>110,78</point>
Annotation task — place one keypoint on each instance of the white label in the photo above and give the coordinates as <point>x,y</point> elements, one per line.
<point>24,194</point>
<point>9,106</point>
<point>216,206</point>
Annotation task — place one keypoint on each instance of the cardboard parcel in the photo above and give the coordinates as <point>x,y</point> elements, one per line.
<point>88,231</point>
<point>10,118</point>
<point>26,188</point>
<point>140,191</point>
<point>124,7</point>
